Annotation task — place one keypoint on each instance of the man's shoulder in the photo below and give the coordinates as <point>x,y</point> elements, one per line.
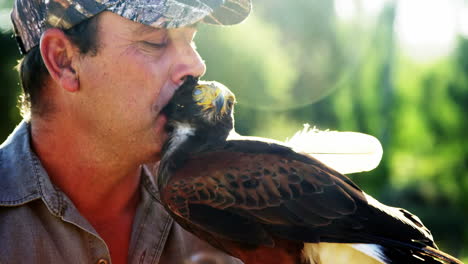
<point>31,234</point>
<point>15,231</point>
<point>17,182</point>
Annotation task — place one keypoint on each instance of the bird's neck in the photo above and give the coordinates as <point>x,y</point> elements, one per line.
<point>185,141</point>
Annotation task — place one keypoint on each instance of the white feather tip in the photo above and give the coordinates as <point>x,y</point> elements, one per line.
<point>345,152</point>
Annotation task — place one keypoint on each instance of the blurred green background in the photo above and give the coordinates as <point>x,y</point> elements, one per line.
<point>397,70</point>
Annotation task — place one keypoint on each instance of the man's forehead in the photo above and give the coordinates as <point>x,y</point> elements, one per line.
<point>111,24</point>
<point>140,29</point>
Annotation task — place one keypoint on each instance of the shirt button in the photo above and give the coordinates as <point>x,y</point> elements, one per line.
<point>102,261</point>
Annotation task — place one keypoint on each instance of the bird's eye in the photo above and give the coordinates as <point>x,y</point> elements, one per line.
<point>230,103</point>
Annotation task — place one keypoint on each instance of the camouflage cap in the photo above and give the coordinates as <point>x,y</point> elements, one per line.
<point>32,17</point>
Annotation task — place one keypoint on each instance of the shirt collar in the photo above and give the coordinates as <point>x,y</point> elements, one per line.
<point>20,171</point>
<point>23,178</point>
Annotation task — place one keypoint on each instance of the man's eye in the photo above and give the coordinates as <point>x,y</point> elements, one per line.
<point>155,45</point>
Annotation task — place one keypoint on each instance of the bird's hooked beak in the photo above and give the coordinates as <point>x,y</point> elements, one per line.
<point>219,103</point>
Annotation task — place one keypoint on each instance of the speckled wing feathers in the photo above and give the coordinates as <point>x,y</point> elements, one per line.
<point>270,188</point>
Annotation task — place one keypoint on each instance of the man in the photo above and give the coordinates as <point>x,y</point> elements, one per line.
<point>96,75</point>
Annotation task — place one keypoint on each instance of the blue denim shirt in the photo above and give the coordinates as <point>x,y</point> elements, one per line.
<point>40,224</point>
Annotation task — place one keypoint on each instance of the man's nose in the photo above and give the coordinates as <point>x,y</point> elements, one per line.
<point>188,63</point>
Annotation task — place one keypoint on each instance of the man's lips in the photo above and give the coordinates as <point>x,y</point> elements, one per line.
<point>161,120</point>
<point>162,128</point>
<point>165,99</point>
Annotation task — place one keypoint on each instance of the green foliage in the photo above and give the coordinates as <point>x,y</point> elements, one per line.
<point>255,61</point>
<point>295,62</point>
<point>9,88</point>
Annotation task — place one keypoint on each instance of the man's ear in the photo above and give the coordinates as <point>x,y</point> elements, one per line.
<point>58,54</point>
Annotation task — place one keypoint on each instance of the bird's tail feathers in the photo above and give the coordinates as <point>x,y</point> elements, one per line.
<point>423,255</point>
<point>396,252</point>
<point>392,253</point>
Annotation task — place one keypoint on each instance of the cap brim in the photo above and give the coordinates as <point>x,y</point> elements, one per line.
<point>176,13</point>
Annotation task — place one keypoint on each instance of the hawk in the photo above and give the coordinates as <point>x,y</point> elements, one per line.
<point>263,202</point>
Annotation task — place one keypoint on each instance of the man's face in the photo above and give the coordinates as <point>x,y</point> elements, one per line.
<point>125,86</point>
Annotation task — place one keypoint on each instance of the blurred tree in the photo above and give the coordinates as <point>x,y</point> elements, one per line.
<point>9,88</point>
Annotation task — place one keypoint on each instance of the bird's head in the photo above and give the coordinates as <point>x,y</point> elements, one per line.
<point>216,101</point>
<point>201,109</point>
